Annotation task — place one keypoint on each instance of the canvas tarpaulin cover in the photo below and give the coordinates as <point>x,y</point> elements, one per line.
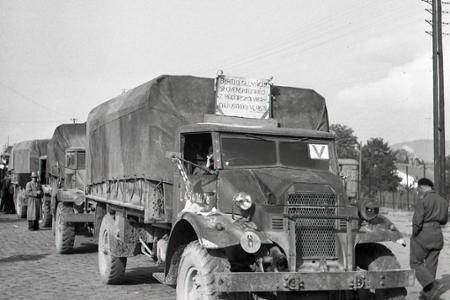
<point>65,136</point>
<point>25,156</point>
<point>129,135</point>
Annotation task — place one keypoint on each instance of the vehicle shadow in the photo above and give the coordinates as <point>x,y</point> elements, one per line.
<point>445,280</point>
<point>12,219</point>
<point>22,257</point>
<point>85,248</point>
<point>141,275</point>
<point>45,228</point>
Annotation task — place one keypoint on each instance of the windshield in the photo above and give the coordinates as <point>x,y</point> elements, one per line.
<point>245,151</point>
<point>253,150</point>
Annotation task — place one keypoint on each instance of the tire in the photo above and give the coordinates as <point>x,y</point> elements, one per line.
<point>376,257</point>
<point>195,261</point>
<point>111,268</point>
<point>64,232</point>
<point>46,212</point>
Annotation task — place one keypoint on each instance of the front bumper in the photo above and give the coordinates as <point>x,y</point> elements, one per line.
<point>305,281</point>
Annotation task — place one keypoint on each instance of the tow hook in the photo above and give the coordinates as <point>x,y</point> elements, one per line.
<point>293,283</point>
<point>358,283</point>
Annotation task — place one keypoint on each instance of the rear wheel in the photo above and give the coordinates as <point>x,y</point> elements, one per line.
<point>64,232</point>
<point>111,267</point>
<point>376,257</point>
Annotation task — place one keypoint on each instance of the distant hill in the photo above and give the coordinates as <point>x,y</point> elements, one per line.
<point>423,149</point>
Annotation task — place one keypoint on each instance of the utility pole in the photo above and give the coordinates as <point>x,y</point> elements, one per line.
<point>438,96</point>
<point>438,99</point>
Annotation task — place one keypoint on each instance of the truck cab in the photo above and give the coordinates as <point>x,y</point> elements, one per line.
<point>75,168</point>
<point>274,202</point>
<point>69,206</point>
<point>267,177</point>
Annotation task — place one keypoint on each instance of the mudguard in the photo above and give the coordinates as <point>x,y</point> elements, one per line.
<point>379,229</point>
<point>70,195</point>
<point>220,230</point>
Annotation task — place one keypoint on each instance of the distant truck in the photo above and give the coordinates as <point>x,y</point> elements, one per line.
<point>268,216</point>
<point>349,171</point>
<point>25,159</point>
<point>66,182</point>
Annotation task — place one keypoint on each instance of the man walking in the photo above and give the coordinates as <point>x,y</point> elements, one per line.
<point>430,213</point>
<point>34,193</point>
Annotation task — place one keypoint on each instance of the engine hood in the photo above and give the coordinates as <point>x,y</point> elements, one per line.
<point>271,185</point>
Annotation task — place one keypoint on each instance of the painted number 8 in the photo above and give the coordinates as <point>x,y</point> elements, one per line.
<point>250,241</point>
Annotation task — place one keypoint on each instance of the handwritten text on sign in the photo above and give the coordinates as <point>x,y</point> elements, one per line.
<point>318,151</point>
<point>243,97</point>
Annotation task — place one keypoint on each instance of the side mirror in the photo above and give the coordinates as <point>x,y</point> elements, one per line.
<point>172,155</point>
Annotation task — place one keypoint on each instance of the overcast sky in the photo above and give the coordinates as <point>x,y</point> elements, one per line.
<point>371,60</point>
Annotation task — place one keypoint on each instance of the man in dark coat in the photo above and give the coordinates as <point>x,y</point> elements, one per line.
<point>7,196</point>
<point>34,193</point>
<point>430,213</point>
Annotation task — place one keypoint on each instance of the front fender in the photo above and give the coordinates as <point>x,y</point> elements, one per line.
<point>220,230</point>
<point>70,195</point>
<point>380,229</point>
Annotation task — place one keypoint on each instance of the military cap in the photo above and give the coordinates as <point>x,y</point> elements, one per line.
<point>425,181</point>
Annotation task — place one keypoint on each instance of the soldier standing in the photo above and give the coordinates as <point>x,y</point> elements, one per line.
<point>34,193</point>
<point>427,241</point>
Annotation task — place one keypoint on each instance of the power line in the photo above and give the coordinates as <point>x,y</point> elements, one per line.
<point>31,100</point>
<point>317,35</point>
<point>31,121</point>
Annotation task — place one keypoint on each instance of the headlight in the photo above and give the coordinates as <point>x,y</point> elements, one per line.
<point>368,209</point>
<point>243,200</point>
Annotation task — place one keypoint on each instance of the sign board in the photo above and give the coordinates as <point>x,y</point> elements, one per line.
<point>318,151</point>
<point>243,97</point>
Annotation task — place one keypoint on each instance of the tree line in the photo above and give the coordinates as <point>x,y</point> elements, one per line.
<point>378,170</point>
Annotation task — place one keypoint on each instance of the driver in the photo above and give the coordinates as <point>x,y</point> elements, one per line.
<point>208,164</point>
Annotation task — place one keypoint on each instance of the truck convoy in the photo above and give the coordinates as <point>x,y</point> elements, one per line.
<point>266,217</point>
<point>66,181</point>
<point>24,159</point>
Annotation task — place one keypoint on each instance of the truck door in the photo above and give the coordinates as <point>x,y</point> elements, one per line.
<point>200,190</point>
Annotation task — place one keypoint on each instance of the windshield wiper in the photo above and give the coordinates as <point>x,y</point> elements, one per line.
<point>303,139</point>
<point>257,137</point>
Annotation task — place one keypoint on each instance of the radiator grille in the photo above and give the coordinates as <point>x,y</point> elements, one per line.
<point>315,238</point>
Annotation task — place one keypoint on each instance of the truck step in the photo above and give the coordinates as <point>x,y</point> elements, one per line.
<point>160,277</point>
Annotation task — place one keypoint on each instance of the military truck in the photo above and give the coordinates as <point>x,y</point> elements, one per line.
<point>267,218</point>
<point>24,159</point>
<point>66,184</point>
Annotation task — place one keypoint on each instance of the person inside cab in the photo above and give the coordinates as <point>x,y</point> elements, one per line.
<point>206,162</point>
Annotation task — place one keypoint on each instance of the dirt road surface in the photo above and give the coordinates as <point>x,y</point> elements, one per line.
<point>31,269</point>
<point>402,221</point>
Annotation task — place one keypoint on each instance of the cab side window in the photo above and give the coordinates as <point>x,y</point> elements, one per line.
<point>196,147</point>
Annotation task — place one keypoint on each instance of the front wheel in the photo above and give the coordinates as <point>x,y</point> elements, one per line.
<point>196,263</point>
<point>376,257</point>
<point>64,232</point>
<point>195,281</point>
<point>111,267</point>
